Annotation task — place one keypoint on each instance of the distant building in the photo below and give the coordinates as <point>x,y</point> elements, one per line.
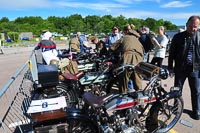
<point>171,33</point>
<point>182,27</point>
<point>26,35</point>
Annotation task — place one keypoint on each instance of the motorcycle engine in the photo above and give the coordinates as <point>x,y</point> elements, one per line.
<point>124,121</point>
<point>132,122</point>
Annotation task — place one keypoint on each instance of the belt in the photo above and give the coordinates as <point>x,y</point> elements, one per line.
<point>133,51</point>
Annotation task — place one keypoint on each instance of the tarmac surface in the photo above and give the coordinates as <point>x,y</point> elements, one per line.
<point>13,58</point>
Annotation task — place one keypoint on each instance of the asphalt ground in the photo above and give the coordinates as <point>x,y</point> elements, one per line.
<point>13,58</point>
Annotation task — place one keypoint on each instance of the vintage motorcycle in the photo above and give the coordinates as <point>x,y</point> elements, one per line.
<point>70,85</point>
<point>91,81</point>
<point>85,61</point>
<point>153,109</point>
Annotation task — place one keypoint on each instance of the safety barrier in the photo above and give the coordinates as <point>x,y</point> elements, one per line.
<point>15,98</point>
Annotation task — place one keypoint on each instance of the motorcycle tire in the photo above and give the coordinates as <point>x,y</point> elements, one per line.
<point>70,95</point>
<point>163,116</point>
<point>61,90</point>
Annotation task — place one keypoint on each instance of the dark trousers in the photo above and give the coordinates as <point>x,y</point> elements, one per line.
<point>194,83</point>
<point>157,61</point>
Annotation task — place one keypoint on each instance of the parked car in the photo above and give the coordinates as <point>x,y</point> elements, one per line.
<point>25,38</point>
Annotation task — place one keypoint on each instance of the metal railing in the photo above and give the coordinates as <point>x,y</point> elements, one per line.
<point>15,98</point>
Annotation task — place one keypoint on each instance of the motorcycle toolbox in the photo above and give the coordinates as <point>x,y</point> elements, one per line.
<point>147,70</point>
<point>48,75</point>
<point>48,115</point>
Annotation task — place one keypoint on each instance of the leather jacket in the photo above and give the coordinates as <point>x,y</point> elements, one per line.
<point>179,49</point>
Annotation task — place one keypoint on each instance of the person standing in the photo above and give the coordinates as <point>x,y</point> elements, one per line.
<point>160,43</point>
<point>185,53</point>
<point>132,53</point>
<point>74,44</point>
<point>112,38</point>
<point>146,42</point>
<point>48,47</point>
<point>83,42</point>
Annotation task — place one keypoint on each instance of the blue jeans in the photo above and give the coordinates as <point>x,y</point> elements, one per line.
<point>146,57</point>
<point>194,83</point>
<point>130,85</point>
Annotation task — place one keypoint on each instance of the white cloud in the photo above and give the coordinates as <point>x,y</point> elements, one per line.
<point>181,16</point>
<point>157,15</point>
<point>113,7</point>
<point>132,1</point>
<point>24,4</point>
<point>95,6</point>
<point>176,4</point>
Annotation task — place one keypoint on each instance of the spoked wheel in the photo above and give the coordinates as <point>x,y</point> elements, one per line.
<point>60,90</point>
<point>163,116</point>
<point>70,96</point>
<point>81,126</point>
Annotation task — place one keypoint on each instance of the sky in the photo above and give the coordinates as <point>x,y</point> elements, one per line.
<point>175,11</point>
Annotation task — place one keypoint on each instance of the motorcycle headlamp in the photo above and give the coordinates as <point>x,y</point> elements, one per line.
<point>163,73</point>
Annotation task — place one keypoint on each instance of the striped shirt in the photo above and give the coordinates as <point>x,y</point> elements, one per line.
<point>190,52</point>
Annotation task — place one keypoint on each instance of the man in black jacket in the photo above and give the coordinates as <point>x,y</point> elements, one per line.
<point>185,52</point>
<point>146,42</point>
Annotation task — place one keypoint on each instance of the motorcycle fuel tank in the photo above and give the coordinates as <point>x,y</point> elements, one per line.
<point>94,77</point>
<point>83,67</point>
<point>120,103</point>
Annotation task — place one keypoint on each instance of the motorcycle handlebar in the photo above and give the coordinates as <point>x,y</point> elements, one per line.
<point>121,69</point>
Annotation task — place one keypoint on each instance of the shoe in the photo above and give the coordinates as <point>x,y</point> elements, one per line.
<point>130,91</point>
<point>196,116</point>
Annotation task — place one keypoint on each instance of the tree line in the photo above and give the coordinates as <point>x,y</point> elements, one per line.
<point>91,24</point>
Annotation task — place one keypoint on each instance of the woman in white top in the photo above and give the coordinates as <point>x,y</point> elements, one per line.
<point>160,43</point>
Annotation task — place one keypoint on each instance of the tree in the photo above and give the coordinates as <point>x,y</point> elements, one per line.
<point>74,23</point>
<point>151,23</point>
<point>108,22</point>
<point>7,27</point>
<point>91,23</point>
<point>4,20</point>
<point>136,22</point>
<point>169,25</point>
<point>13,35</point>
<point>120,21</point>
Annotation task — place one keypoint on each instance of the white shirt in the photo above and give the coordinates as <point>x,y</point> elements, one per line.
<point>163,41</point>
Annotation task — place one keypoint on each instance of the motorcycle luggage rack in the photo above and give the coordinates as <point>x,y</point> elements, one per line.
<point>147,70</point>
